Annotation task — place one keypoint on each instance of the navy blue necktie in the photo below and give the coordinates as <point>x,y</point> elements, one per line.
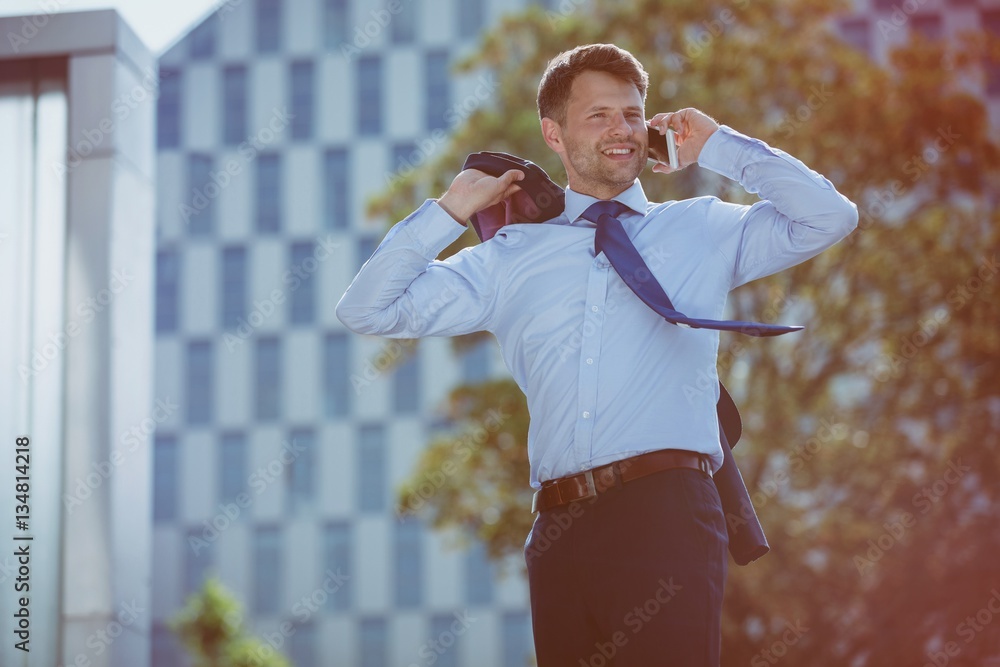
<point>612,238</point>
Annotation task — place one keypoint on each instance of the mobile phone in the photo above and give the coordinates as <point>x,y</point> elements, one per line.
<point>663,147</point>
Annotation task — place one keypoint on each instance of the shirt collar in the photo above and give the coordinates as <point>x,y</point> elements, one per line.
<point>576,203</point>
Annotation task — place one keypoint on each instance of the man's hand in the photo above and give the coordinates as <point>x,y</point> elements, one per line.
<point>693,129</point>
<point>473,190</point>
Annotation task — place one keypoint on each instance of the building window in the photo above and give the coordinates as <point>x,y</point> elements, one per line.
<point>197,560</point>
<point>199,389</point>
<point>301,81</point>
<point>165,467</point>
<point>403,26</point>
<point>335,23</point>
<point>372,473</point>
<point>336,375</point>
<point>438,95</point>
<point>200,211</point>
<point>268,193</point>
<point>366,248</point>
<point>267,570</point>
<point>268,378</point>
<point>476,363</point>
<point>373,641</point>
<point>302,645</point>
<point>302,471</point>
<point>168,109</point>
<point>302,292</point>
<point>369,108</point>
<point>234,105</point>
<point>232,466</point>
<point>167,290</point>
<point>404,158</point>
<point>516,638</point>
<point>409,563</point>
<point>268,26</point>
<point>443,636</point>
<point>338,560</point>
<point>336,205</point>
<point>233,290</point>
<point>201,41</point>
<point>470,18</point>
<point>857,33</point>
<point>406,385</point>
<point>478,576</point>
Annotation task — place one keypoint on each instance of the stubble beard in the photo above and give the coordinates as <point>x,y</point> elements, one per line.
<point>595,171</point>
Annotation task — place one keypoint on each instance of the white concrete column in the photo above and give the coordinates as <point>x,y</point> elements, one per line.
<point>92,402</point>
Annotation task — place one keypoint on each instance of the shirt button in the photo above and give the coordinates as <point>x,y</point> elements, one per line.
<point>586,414</point>
<point>594,308</point>
<point>590,361</point>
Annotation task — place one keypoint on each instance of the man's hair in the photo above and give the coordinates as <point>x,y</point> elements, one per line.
<point>557,81</point>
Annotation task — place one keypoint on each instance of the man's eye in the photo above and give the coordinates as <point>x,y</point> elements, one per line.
<point>596,115</point>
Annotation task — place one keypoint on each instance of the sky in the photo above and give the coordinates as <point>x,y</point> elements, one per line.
<point>157,22</point>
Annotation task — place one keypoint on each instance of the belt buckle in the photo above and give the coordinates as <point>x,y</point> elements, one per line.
<point>705,464</point>
<point>588,476</point>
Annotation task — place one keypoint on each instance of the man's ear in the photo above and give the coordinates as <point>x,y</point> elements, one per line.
<point>552,134</point>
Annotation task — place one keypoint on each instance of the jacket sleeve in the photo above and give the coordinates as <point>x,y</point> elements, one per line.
<point>402,291</point>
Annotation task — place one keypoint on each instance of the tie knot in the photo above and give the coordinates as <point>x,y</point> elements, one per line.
<point>609,207</point>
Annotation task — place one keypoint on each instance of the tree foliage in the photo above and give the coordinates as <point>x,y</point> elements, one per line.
<point>871,440</point>
<point>210,627</point>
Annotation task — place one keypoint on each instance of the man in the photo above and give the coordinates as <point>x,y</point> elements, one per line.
<point>634,575</point>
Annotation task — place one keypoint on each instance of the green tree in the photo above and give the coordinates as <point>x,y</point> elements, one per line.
<point>871,439</point>
<point>210,627</point>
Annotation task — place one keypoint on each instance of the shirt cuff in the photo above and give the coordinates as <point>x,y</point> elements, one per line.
<point>726,150</point>
<point>431,228</point>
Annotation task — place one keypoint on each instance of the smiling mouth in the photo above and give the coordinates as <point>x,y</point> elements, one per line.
<point>619,154</point>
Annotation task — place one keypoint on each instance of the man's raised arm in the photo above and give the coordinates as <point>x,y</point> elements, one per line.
<point>402,291</point>
<point>801,214</point>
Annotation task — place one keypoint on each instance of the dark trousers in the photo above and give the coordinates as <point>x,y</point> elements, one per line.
<point>631,578</point>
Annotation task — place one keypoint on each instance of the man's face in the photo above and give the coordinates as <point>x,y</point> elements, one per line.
<point>604,141</point>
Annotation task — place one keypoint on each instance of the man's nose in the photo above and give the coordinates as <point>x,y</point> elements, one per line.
<point>620,125</point>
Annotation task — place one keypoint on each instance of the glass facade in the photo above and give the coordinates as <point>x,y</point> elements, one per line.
<point>269,25</point>
<point>301,82</point>
<point>234,105</point>
<point>167,289</point>
<point>369,95</point>
<point>267,563</point>
<point>372,468</point>
<point>199,387</point>
<point>269,192</point>
<point>267,378</point>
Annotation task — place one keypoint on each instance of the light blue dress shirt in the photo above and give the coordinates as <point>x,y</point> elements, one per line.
<point>605,377</point>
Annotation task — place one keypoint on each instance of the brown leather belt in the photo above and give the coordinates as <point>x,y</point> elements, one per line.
<point>587,484</point>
